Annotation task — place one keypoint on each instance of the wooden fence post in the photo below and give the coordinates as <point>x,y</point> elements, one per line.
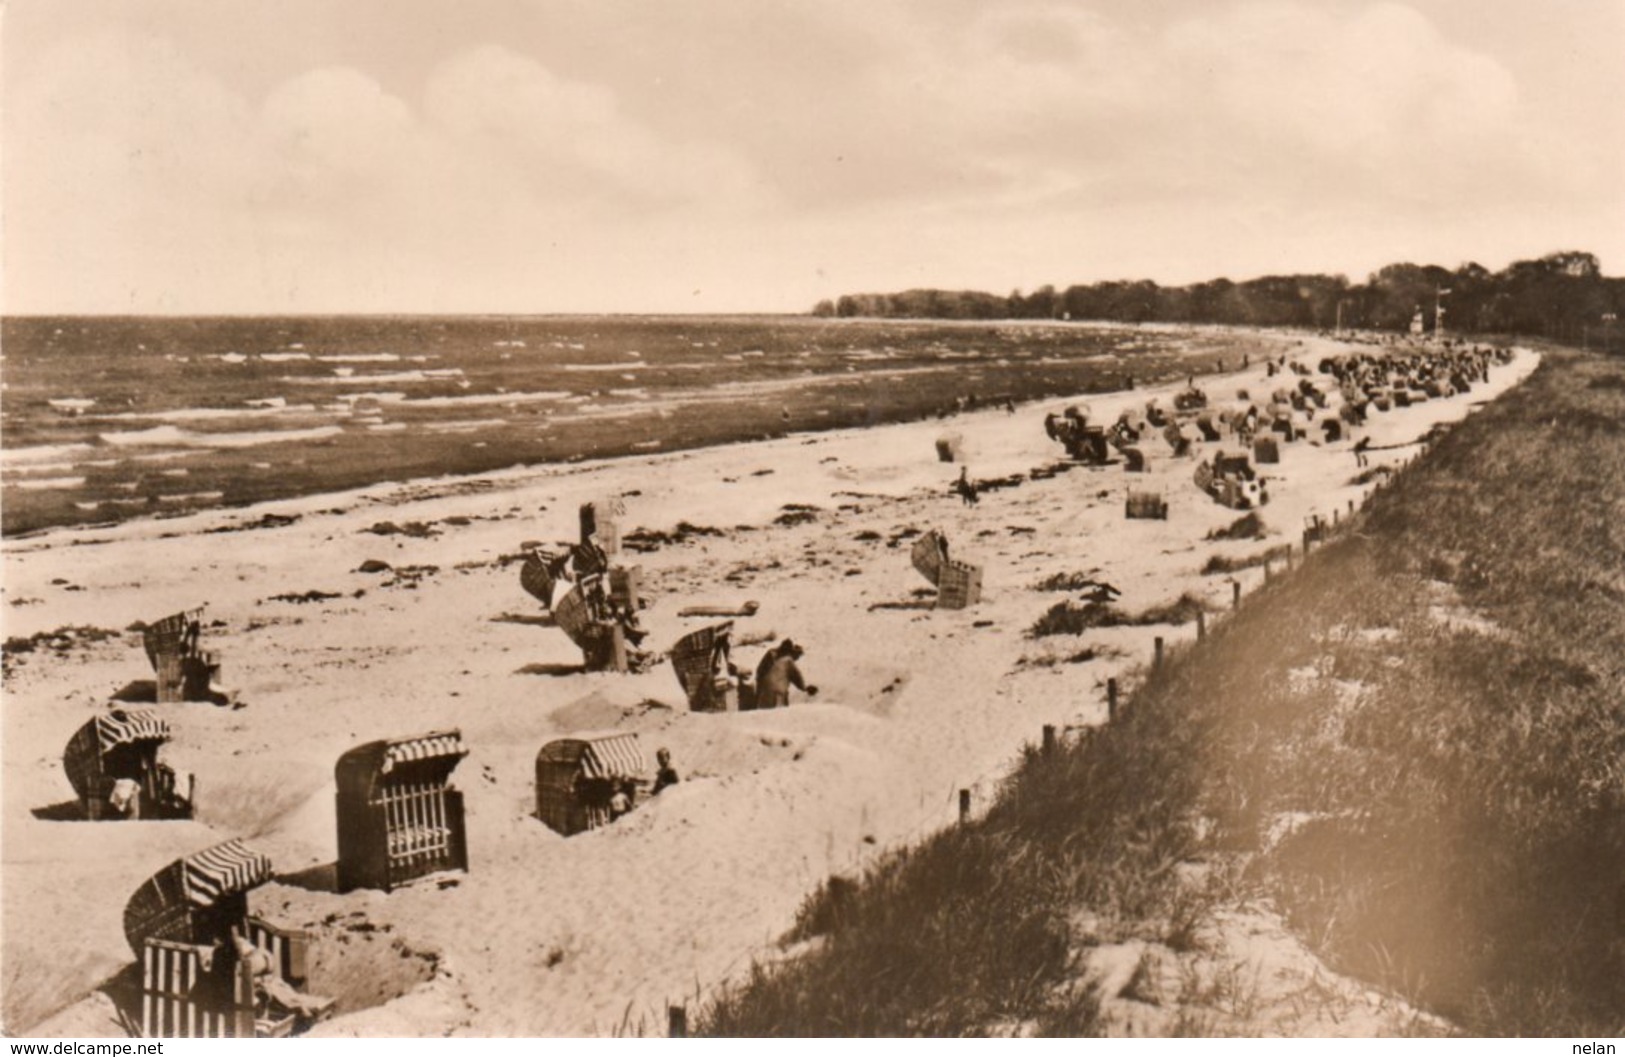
<point>676,1022</point>
<point>964,806</point>
<point>1201,625</point>
<point>1156,655</point>
<point>1235,594</point>
<point>1111,700</point>
<point>1049,738</point>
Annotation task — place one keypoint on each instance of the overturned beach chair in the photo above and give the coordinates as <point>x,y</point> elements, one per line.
<point>1332,428</point>
<point>180,923</point>
<point>950,448</point>
<point>183,670</point>
<point>124,744</point>
<point>399,817</point>
<point>700,661</point>
<point>576,776</point>
<point>1134,460</point>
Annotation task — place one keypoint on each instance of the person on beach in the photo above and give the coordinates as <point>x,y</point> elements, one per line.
<point>1360,447</point>
<point>777,673</point>
<point>665,773</point>
<point>126,798</point>
<point>272,994</point>
<point>964,488</point>
<point>620,802</point>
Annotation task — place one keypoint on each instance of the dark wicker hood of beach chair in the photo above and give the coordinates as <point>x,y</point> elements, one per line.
<point>929,554</point>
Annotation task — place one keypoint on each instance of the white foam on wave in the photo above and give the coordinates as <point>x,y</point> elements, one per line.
<point>192,497</point>
<point>604,366</point>
<point>269,408</point>
<point>541,396</point>
<point>347,376</point>
<point>466,425</point>
<point>43,453</point>
<point>360,357</point>
<point>283,357</point>
<point>172,436</point>
<point>39,484</point>
<point>71,405</point>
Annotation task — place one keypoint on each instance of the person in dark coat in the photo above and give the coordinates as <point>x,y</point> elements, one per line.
<point>777,673</point>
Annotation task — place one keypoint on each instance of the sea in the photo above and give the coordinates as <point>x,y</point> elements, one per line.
<point>104,419</point>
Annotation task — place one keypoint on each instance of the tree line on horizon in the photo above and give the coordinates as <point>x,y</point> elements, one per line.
<point>1562,295</point>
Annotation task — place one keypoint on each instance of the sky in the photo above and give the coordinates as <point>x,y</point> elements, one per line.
<point>288,156</point>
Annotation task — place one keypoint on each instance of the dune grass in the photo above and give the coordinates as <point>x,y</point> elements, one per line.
<point>1458,790</point>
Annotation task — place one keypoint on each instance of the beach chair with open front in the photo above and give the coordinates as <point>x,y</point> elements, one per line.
<point>704,667</point>
<point>958,584</point>
<point>184,671</point>
<point>399,817</point>
<point>208,968</point>
<point>113,765</point>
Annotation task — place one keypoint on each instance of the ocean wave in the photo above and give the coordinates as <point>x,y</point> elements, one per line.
<point>71,405</point>
<point>175,437</point>
<point>541,396</point>
<point>346,376</point>
<point>267,409</point>
<point>39,484</point>
<point>284,357</point>
<point>465,425</point>
<point>43,453</point>
<point>360,357</point>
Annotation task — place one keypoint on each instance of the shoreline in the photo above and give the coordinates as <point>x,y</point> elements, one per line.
<point>915,703</point>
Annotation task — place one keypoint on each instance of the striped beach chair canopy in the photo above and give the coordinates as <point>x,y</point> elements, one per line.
<point>928,554</point>
<point>168,634</point>
<point>427,757</point>
<point>175,903</point>
<point>606,754</point>
<point>691,656</point>
<point>83,757</point>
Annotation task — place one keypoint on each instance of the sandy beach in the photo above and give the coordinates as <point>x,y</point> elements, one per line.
<point>597,933</point>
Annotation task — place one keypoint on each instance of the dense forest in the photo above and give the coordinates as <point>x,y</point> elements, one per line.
<point>1562,295</point>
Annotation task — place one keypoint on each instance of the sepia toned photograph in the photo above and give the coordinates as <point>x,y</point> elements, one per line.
<point>805,518</point>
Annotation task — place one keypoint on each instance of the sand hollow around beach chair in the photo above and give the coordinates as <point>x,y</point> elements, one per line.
<point>182,924</point>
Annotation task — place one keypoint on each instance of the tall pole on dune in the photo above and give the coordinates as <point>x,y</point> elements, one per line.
<point>1438,312</point>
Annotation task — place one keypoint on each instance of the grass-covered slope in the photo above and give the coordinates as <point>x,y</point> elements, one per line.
<point>1415,743</point>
